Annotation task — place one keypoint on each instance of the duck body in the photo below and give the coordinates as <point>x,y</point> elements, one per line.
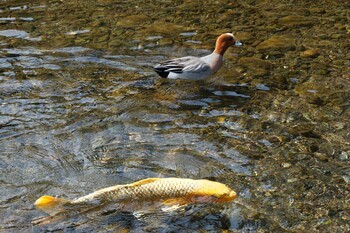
<point>196,68</point>
<point>190,68</point>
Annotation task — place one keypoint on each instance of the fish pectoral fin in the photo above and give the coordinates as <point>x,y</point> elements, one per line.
<point>145,181</point>
<point>172,208</point>
<point>177,201</point>
<point>191,199</point>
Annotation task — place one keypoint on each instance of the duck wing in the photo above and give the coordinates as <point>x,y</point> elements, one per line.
<point>188,64</point>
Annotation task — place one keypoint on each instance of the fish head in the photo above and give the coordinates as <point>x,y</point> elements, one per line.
<point>219,191</point>
<point>227,197</point>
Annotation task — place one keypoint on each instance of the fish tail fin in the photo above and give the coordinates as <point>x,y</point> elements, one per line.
<point>51,205</point>
<point>46,201</point>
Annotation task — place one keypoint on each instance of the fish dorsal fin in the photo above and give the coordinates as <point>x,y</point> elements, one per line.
<point>145,181</point>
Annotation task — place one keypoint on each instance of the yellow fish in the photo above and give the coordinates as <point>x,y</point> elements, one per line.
<point>168,190</point>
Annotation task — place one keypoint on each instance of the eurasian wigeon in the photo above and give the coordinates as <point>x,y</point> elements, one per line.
<point>197,68</point>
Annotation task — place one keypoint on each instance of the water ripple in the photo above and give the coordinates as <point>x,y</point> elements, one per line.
<point>18,34</point>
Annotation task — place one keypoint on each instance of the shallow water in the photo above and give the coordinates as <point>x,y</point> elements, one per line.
<point>81,109</point>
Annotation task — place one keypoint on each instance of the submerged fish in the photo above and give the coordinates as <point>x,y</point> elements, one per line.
<point>170,191</point>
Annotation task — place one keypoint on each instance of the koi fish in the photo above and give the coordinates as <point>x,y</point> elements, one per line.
<point>170,191</point>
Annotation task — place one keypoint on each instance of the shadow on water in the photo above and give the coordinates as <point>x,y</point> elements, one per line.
<point>81,109</point>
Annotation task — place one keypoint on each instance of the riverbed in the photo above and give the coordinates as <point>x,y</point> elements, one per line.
<point>82,109</point>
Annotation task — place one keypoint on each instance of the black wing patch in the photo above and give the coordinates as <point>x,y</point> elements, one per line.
<point>166,67</point>
<point>178,65</point>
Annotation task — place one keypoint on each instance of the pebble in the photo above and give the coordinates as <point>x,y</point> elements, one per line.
<point>277,44</point>
<point>253,62</point>
<point>336,36</point>
<point>311,53</point>
<point>286,165</point>
<point>296,20</point>
<point>132,21</point>
<point>344,156</point>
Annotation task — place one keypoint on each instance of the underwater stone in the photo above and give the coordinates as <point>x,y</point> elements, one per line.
<point>277,44</point>
<point>336,36</point>
<point>255,66</point>
<point>165,41</point>
<point>295,20</point>
<point>166,28</point>
<point>133,21</point>
<point>344,156</point>
<point>286,165</point>
<point>253,62</point>
<point>311,53</point>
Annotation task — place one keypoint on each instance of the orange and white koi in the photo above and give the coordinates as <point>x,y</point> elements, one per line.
<point>168,190</point>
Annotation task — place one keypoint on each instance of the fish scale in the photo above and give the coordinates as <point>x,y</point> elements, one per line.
<point>155,190</point>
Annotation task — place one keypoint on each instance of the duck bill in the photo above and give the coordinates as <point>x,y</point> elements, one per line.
<point>238,43</point>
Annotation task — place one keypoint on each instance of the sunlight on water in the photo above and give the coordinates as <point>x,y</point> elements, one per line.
<point>81,109</point>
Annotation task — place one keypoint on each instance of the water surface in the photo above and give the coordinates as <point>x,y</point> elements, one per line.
<point>81,109</point>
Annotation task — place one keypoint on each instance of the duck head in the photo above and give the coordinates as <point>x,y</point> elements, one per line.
<point>223,42</point>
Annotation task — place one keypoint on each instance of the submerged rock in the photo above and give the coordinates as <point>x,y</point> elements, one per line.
<point>311,53</point>
<point>255,66</point>
<point>166,28</point>
<point>296,20</point>
<point>253,62</point>
<point>133,21</point>
<point>165,41</point>
<point>277,44</point>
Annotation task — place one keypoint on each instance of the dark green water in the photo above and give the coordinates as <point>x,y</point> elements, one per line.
<point>81,109</point>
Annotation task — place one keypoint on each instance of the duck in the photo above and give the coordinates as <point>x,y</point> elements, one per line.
<point>197,68</point>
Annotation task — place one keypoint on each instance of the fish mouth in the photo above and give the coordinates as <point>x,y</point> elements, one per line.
<point>229,197</point>
<point>232,195</point>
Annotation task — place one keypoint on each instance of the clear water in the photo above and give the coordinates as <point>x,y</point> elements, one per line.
<point>81,109</point>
